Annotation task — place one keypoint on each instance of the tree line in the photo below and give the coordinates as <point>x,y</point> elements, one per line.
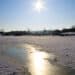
<point>63,32</point>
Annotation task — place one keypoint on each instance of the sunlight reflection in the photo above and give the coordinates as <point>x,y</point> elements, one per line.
<point>38,63</point>
<point>42,63</point>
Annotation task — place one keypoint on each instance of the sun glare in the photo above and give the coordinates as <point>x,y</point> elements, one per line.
<point>39,5</point>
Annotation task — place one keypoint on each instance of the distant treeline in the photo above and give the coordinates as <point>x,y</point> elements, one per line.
<point>63,32</point>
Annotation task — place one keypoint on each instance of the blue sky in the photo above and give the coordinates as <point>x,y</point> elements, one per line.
<point>20,14</point>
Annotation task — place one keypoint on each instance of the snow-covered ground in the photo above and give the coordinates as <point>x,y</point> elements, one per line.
<point>62,47</point>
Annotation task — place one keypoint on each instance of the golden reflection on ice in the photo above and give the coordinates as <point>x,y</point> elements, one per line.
<point>39,63</point>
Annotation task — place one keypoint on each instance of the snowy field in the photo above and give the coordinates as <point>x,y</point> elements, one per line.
<point>62,47</point>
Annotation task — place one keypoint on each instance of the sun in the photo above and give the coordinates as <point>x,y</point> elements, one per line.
<point>39,6</point>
